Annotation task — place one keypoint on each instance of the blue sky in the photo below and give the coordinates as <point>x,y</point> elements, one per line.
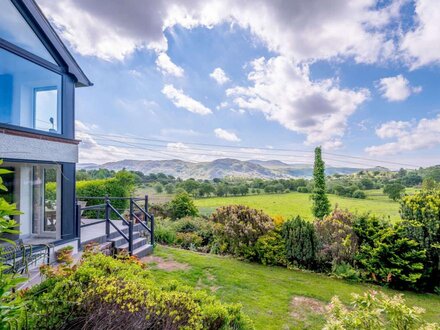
<point>174,78</point>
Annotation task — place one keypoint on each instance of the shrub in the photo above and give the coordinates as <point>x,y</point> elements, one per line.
<point>359,194</point>
<point>164,234</point>
<point>300,242</point>
<point>190,241</point>
<point>12,309</point>
<point>393,258</point>
<point>270,249</point>
<point>202,227</point>
<point>104,293</point>
<point>181,206</point>
<point>337,241</point>
<point>119,186</point>
<point>237,229</point>
<point>424,209</point>
<point>374,310</point>
<point>346,272</point>
<point>304,190</point>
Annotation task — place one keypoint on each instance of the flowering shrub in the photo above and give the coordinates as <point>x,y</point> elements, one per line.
<point>190,241</point>
<point>103,293</point>
<point>237,229</point>
<point>270,248</point>
<point>337,241</point>
<point>374,310</point>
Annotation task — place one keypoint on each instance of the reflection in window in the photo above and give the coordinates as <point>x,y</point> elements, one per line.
<point>15,29</point>
<point>45,204</point>
<point>46,109</point>
<point>30,95</point>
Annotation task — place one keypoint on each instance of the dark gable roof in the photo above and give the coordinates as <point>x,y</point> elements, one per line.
<point>54,40</point>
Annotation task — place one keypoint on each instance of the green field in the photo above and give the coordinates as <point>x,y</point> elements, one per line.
<point>293,204</point>
<point>266,293</point>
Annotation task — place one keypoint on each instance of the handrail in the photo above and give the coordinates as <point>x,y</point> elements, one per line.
<point>111,198</point>
<point>93,207</point>
<point>118,214</point>
<point>142,210</point>
<point>142,223</point>
<point>120,232</point>
<point>109,208</point>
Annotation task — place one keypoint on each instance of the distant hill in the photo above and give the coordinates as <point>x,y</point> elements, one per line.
<point>219,168</point>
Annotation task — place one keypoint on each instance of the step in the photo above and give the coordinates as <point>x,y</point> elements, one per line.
<point>136,244</point>
<point>143,251</point>
<point>119,240</point>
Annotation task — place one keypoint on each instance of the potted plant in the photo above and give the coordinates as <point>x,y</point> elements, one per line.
<point>64,255</point>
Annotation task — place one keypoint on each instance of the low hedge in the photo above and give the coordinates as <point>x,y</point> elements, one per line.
<point>103,293</point>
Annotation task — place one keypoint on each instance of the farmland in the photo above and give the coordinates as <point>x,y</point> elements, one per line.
<point>292,204</point>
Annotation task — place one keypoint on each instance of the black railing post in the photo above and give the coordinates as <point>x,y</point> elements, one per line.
<point>152,230</point>
<point>130,229</point>
<point>78,218</point>
<point>146,206</point>
<point>107,216</point>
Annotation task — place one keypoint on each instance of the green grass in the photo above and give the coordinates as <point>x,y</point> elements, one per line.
<point>293,204</point>
<point>266,292</point>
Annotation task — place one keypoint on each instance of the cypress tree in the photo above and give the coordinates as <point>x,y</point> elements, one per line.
<point>321,204</point>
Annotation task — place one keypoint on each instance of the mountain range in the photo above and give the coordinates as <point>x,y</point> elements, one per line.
<point>220,168</point>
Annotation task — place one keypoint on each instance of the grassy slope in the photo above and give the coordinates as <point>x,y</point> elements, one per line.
<point>266,292</point>
<point>293,204</point>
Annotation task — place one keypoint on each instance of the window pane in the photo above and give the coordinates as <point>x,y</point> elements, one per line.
<point>36,189</point>
<point>15,29</point>
<point>45,201</point>
<point>46,110</point>
<point>29,94</point>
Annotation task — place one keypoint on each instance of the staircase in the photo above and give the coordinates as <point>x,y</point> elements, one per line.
<point>141,242</point>
<point>134,236</point>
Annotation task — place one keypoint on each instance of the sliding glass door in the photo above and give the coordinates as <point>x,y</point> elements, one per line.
<point>36,190</point>
<point>45,200</point>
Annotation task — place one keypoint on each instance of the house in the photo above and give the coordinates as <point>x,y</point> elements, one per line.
<point>38,77</point>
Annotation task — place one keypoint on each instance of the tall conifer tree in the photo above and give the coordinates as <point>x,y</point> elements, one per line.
<point>321,204</point>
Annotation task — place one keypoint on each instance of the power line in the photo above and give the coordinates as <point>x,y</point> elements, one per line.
<point>107,137</point>
<point>139,145</point>
<point>249,147</point>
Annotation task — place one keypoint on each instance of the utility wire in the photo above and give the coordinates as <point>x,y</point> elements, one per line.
<point>139,145</point>
<point>249,147</point>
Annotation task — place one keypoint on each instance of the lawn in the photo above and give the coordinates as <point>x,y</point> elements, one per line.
<point>266,293</point>
<point>293,204</point>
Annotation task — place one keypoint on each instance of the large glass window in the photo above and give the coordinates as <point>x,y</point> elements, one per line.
<point>30,95</point>
<point>15,29</point>
<point>36,190</point>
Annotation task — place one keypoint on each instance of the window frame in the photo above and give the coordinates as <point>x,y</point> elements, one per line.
<point>61,69</point>
<point>24,54</point>
<point>59,117</point>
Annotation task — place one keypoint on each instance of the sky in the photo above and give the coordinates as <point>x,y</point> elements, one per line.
<point>264,79</point>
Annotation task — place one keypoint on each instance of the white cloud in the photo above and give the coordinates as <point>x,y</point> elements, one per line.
<point>226,135</point>
<point>421,45</point>
<point>181,100</point>
<point>397,88</point>
<point>219,76</point>
<point>408,136</point>
<point>166,66</point>
<point>283,92</point>
<point>303,30</point>
<point>392,129</point>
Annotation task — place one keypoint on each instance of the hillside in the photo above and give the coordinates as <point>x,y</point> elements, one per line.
<point>219,168</point>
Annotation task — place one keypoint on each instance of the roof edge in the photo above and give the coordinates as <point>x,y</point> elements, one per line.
<point>72,66</point>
